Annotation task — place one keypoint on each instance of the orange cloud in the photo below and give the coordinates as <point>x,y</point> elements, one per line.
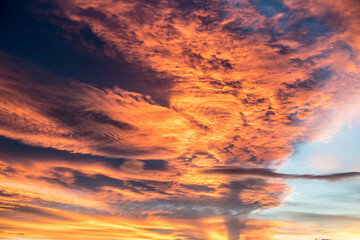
<point>251,95</point>
<point>247,83</point>
<point>84,119</point>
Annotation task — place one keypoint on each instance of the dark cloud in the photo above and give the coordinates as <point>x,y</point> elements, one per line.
<point>96,182</point>
<point>199,188</point>
<point>12,151</point>
<point>18,211</point>
<point>197,206</point>
<point>78,53</point>
<point>269,173</point>
<point>321,217</point>
<point>234,227</point>
<point>4,194</point>
<point>79,115</point>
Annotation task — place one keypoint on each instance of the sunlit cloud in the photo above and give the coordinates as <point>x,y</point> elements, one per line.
<point>246,82</point>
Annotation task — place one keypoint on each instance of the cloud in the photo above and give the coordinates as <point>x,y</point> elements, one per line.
<point>244,81</point>
<point>270,173</point>
<point>325,218</point>
<point>81,118</point>
<point>133,166</point>
<point>230,97</point>
<point>4,194</point>
<point>254,76</point>
<point>16,211</point>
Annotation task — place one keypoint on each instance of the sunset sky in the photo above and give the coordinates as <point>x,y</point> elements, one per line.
<point>180,119</point>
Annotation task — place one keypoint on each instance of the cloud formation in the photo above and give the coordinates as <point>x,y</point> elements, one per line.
<point>255,76</point>
<point>269,173</point>
<point>84,119</point>
<point>245,81</point>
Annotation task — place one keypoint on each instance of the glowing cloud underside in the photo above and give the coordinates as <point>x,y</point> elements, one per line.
<point>248,80</point>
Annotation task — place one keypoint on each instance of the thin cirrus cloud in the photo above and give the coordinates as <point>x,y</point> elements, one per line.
<point>246,81</point>
<point>269,173</point>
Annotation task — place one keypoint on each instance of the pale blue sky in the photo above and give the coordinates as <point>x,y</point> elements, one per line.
<point>332,206</point>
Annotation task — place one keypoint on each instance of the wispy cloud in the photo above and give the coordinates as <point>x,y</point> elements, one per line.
<point>246,80</point>
<point>270,173</point>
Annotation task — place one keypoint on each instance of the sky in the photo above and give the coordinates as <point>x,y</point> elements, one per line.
<point>180,119</point>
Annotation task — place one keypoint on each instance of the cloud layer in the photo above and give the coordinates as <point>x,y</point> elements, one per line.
<point>239,84</point>
<point>269,173</point>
